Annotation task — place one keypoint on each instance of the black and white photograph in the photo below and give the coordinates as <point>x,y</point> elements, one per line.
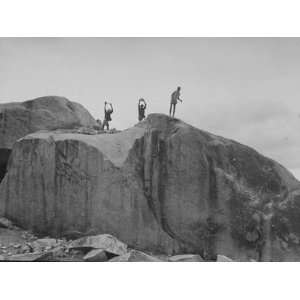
<point>150,149</point>
<point>155,161</point>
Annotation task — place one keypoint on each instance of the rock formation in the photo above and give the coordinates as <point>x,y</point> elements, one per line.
<point>162,186</point>
<point>18,119</point>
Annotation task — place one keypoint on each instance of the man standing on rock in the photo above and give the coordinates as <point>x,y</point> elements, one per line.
<point>107,115</point>
<point>174,98</point>
<point>141,108</point>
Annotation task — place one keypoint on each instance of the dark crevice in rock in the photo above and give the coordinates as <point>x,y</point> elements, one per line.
<point>211,227</point>
<point>59,155</point>
<point>87,202</point>
<point>161,182</point>
<point>4,157</point>
<point>44,200</point>
<point>213,189</point>
<point>155,174</point>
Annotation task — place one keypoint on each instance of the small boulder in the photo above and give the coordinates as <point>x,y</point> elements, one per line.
<point>135,256</point>
<point>36,256</point>
<point>105,242</point>
<point>44,244</point>
<point>186,258</point>
<point>58,251</point>
<point>96,255</point>
<point>26,248</point>
<point>223,258</point>
<point>5,223</point>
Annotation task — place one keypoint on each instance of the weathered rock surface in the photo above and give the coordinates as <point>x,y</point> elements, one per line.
<point>18,119</point>
<point>162,186</point>
<point>135,256</point>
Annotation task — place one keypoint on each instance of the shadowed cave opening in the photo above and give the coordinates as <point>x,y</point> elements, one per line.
<point>4,156</point>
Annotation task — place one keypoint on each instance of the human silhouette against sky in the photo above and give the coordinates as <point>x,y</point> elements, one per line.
<point>174,98</point>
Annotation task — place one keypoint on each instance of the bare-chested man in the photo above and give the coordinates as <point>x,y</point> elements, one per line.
<point>174,98</point>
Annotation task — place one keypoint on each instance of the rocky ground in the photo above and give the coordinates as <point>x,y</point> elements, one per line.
<point>19,245</point>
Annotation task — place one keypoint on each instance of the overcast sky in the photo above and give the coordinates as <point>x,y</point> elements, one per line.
<point>247,89</point>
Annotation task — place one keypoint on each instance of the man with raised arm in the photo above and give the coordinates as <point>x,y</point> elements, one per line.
<point>141,109</point>
<point>108,110</point>
<point>174,98</point>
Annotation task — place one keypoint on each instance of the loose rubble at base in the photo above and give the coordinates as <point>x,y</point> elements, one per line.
<point>19,245</point>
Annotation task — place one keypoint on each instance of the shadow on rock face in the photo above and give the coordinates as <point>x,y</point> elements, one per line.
<point>4,156</point>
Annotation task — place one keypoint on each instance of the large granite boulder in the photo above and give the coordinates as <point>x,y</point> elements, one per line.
<point>162,186</point>
<point>18,119</point>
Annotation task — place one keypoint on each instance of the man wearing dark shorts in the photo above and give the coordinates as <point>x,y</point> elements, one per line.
<point>174,98</point>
